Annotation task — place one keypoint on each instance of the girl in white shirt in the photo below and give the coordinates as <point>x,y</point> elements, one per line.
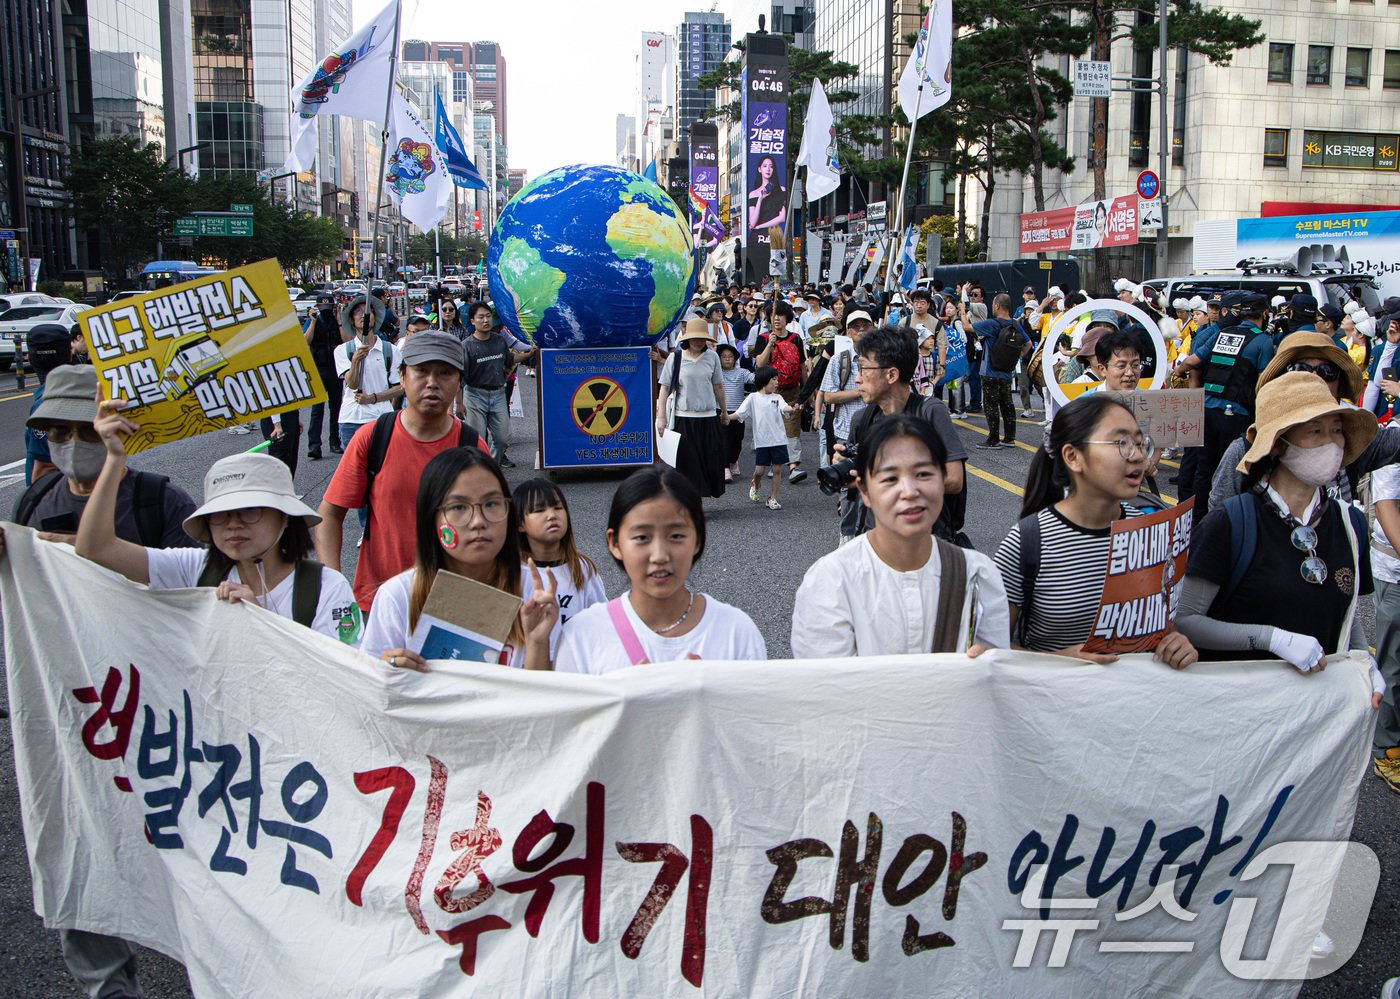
<point>656,533</point>
<point>882,593</point>
<point>766,409</point>
<point>547,537</point>
<point>464,525</point>
<point>258,531</point>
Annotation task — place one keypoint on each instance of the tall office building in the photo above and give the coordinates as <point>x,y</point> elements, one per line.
<point>229,119</point>
<point>627,141</point>
<point>34,205</point>
<point>703,41</point>
<point>488,69</point>
<point>783,17</point>
<point>457,55</point>
<point>656,96</point>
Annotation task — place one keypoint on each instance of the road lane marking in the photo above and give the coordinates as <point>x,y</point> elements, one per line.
<point>1021,444</point>
<point>995,480</point>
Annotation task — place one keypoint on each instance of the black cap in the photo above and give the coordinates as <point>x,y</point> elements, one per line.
<point>50,345</point>
<point>1302,302</point>
<point>1331,313</point>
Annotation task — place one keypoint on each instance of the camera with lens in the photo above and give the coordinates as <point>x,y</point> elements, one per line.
<point>839,474</point>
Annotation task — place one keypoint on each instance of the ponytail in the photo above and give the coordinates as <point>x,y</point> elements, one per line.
<point>1049,479</point>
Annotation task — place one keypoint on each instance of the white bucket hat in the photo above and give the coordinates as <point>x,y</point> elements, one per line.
<point>243,481</point>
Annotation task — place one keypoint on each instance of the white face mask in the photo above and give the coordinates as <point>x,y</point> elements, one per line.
<point>78,460</point>
<point>1315,466</point>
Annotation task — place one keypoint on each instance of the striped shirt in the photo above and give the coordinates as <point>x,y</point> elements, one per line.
<point>735,379</point>
<point>1068,584</point>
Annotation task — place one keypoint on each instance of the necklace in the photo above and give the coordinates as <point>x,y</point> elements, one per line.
<point>681,621</point>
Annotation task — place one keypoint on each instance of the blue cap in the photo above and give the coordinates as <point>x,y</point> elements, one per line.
<point>1103,316</point>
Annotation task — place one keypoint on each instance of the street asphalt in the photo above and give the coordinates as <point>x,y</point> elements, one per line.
<point>754,558</point>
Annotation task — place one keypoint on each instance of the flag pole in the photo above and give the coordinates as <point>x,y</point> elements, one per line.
<point>383,150</point>
<point>909,150</point>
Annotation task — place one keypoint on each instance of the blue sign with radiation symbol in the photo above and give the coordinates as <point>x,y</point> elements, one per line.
<point>595,407</point>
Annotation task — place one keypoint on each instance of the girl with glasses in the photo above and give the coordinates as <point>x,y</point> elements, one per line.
<point>465,524</point>
<point>257,528</point>
<point>1283,545</point>
<point>1053,562</point>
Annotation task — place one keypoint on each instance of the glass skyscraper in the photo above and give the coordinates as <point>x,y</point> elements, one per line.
<point>702,41</point>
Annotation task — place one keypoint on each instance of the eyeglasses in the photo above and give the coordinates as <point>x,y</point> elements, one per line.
<point>1146,447</point>
<point>868,368</point>
<point>1125,366</point>
<point>1327,371</point>
<point>1314,569</point>
<point>460,514</point>
<point>248,516</point>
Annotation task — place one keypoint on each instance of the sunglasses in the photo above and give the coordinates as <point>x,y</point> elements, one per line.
<point>1314,569</point>
<point>1327,371</point>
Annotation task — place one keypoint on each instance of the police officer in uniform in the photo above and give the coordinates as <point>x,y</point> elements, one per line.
<point>1232,359</point>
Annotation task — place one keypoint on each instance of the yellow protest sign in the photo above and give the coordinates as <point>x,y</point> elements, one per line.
<point>207,354</point>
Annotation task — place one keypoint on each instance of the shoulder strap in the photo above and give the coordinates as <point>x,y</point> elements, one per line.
<point>1244,539</point>
<point>1354,522</point>
<point>1030,569</point>
<point>306,591</point>
<point>374,457</point>
<point>37,490</point>
<point>952,590</point>
<point>148,506</point>
<point>843,367</point>
<point>631,644</point>
<point>466,434</point>
<point>387,350</point>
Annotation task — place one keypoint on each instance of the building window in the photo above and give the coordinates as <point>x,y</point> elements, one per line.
<point>1320,65</point>
<point>1280,62</point>
<point>1392,69</point>
<point>1276,147</point>
<point>1358,67</point>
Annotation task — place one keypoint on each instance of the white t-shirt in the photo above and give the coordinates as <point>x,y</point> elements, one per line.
<point>851,603</point>
<point>1385,485</point>
<point>572,599</point>
<point>766,410</point>
<point>336,612</point>
<point>591,643</point>
<point>387,627</point>
<point>372,379</point>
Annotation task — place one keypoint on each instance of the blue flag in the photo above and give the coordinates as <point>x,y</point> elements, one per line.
<point>459,165</point>
<point>909,275</point>
<point>650,172</point>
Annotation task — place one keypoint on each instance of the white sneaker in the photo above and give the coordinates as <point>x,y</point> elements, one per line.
<point>1391,989</point>
<point>753,492</point>
<point>773,504</point>
<point>1028,413</point>
<point>240,429</point>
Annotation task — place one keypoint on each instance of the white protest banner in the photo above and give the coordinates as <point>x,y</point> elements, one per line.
<point>321,825</point>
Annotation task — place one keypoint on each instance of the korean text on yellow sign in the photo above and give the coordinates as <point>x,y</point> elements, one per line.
<point>207,354</point>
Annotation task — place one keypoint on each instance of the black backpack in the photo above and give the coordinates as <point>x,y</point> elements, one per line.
<point>379,447</point>
<point>148,503</point>
<point>306,588</point>
<point>1008,347</point>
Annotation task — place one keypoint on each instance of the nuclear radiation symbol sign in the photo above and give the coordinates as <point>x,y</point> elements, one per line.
<point>599,407</point>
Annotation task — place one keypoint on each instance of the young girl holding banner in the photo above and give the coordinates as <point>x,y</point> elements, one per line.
<point>258,531</point>
<point>656,533</point>
<point>464,525</point>
<point>1054,561</point>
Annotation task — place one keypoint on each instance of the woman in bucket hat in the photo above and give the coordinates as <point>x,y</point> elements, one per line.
<point>694,379</point>
<point>1284,543</point>
<point>257,528</point>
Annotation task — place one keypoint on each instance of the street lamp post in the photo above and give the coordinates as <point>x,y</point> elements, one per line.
<point>180,155</point>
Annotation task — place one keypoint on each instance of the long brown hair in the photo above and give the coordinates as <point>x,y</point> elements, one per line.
<point>433,488</point>
<point>541,494</point>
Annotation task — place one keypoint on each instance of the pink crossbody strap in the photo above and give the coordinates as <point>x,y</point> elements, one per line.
<point>631,644</point>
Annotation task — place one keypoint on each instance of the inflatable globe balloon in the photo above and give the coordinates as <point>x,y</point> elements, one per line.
<point>591,256</point>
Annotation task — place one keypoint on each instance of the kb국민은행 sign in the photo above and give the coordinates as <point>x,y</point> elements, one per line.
<point>289,817</point>
<point>222,350</point>
<point>1142,584</point>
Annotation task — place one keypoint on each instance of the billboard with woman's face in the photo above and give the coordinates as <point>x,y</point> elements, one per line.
<point>765,158</point>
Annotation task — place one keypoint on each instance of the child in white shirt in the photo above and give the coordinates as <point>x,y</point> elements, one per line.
<point>766,408</point>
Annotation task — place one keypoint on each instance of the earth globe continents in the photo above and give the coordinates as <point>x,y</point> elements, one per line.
<point>591,256</point>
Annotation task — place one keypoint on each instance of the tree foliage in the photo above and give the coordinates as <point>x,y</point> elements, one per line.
<point>466,251</point>
<point>299,240</point>
<point>128,196</point>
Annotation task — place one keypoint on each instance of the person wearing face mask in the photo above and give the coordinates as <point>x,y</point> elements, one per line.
<point>150,509</point>
<point>322,334</point>
<point>1283,543</point>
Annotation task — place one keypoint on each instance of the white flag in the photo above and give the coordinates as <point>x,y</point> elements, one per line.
<point>415,172</point>
<point>818,152</point>
<point>931,63</point>
<point>353,81</point>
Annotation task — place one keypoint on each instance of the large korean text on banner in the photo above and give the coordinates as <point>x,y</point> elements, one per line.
<point>211,353</point>
<point>289,817</point>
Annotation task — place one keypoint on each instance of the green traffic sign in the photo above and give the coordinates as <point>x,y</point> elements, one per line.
<point>241,208</point>
<point>213,225</point>
<point>187,226</point>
